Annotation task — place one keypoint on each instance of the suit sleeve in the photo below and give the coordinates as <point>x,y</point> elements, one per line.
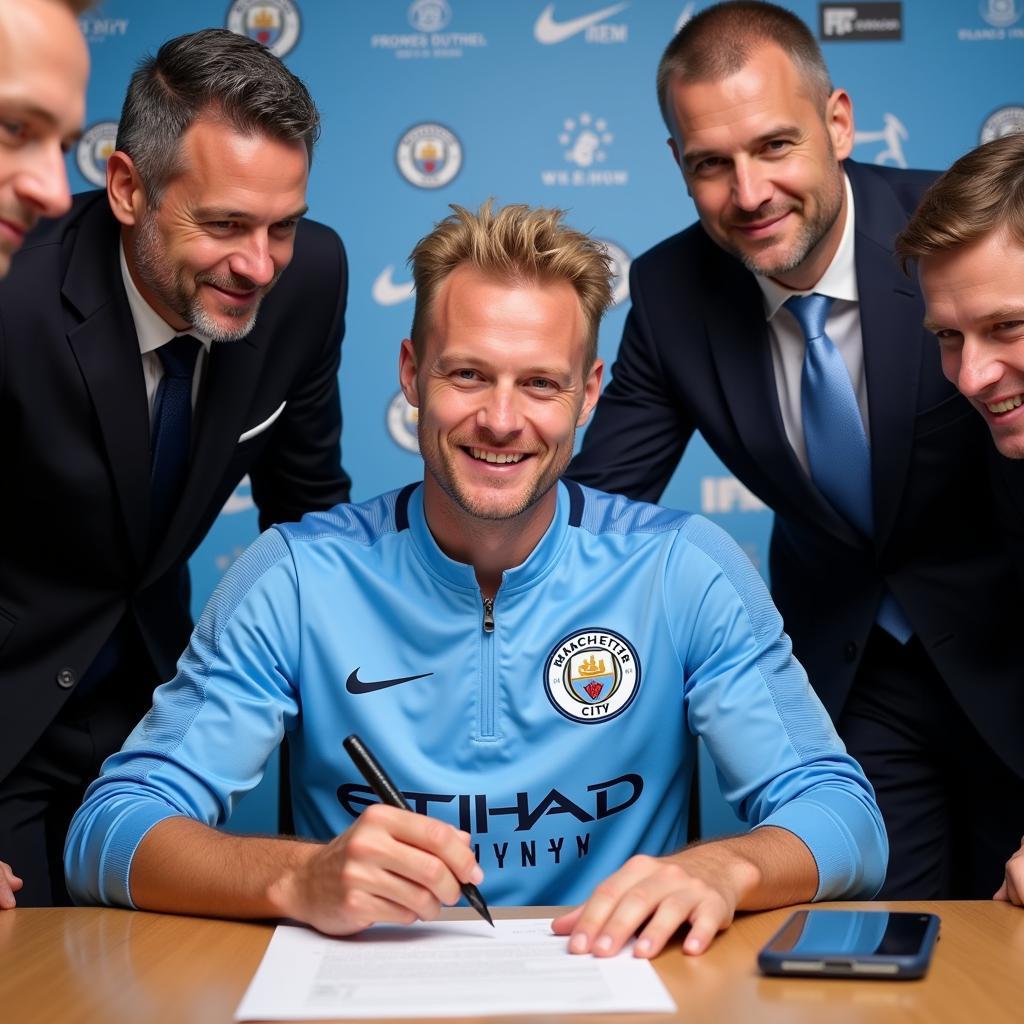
<point>777,756</point>
<point>300,470</point>
<point>640,428</point>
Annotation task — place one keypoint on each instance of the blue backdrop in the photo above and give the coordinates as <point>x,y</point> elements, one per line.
<point>430,102</point>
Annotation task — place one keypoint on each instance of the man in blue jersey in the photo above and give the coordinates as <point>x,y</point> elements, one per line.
<point>530,659</point>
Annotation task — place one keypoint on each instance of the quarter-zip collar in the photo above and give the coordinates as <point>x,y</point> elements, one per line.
<point>457,574</point>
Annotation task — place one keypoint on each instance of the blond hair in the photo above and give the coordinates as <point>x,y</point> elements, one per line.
<point>519,244</point>
<point>981,192</point>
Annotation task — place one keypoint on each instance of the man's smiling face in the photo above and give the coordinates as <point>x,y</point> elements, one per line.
<point>974,298</point>
<point>501,387</point>
<point>223,232</point>
<point>761,161</point>
<point>44,64</point>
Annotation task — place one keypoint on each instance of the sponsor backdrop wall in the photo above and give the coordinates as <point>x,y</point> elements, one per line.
<point>431,102</point>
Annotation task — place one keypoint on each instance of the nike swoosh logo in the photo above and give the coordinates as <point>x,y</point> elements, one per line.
<point>356,685</point>
<point>387,293</point>
<point>549,31</point>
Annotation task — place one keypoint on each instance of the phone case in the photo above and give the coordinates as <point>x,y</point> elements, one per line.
<point>840,962</point>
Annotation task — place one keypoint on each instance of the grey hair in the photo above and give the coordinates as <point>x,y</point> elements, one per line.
<point>718,42</point>
<point>217,73</point>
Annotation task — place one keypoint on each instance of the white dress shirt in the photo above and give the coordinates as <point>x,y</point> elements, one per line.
<point>843,326</point>
<point>153,332</point>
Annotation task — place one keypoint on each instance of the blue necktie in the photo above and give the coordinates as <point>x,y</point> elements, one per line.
<point>837,446</point>
<point>172,432</point>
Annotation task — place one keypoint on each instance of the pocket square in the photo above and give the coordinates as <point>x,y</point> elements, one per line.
<point>260,427</point>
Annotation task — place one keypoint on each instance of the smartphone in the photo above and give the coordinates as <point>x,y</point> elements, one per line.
<point>852,944</point>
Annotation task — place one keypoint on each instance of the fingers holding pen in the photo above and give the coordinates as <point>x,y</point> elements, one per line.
<point>426,851</point>
<point>391,866</point>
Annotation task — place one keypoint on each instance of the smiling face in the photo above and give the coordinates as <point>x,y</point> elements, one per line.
<point>223,232</point>
<point>974,299</point>
<point>761,163</point>
<point>44,65</point>
<point>500,389</point>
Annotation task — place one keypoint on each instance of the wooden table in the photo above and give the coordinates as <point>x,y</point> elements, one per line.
<point>113,966</point>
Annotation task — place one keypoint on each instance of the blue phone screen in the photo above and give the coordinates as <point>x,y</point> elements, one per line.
<point>852,933</point>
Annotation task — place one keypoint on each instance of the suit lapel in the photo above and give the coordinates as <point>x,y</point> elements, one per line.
<point>890,319</point>
<point>229,384</point>
<point>741,349</point>
<point>107,350</point>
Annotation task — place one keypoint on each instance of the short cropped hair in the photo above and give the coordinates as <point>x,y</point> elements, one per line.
<point>982,192</point>
<point>217,73</point>
<point>718,42</point>
<point>519,244</point>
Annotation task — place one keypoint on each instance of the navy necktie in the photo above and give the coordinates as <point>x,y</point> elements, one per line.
<point>172,432</point>
<point>837,446</point>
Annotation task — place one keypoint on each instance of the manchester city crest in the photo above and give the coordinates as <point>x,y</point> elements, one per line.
<point>274,23</point>
<point>592,675</point>
<point>402,423</point>
<point>1004,121</point>
<point>620,263</point>
<point>429,155</point>
<point>429,15</point>
<point>93,149</point>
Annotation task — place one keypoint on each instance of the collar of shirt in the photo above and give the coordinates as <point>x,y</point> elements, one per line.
<point>786,339</point>
<point>150,327</point>
<point>536,567</point>
<point>840,279</point>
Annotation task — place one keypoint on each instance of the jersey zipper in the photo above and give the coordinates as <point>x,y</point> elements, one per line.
<point>487,729</point>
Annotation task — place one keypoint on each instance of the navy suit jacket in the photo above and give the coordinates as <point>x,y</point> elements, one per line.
<point>76,558</point>
<point>696,355</point>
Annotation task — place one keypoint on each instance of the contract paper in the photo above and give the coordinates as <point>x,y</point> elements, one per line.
<point>444,969</point>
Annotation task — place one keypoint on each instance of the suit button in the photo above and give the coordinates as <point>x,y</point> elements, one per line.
<point>850,651</point>
<point>66,678</point>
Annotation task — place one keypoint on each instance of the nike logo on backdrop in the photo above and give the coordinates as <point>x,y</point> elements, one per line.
<point>549,31</point>
<point>388,292</point>
<point>356,685</point>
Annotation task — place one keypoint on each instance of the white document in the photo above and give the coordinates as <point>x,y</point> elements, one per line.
<point>444,969</point>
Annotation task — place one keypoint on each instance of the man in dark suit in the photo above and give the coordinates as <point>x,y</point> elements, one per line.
<point>781,327</point>
<point>158,343</point>
<point>44,64</point>
<point>967,238</point>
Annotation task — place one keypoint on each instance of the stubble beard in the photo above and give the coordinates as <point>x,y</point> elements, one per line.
<point>811,234</point>
<point>442,467</point>
<point>173,288</point>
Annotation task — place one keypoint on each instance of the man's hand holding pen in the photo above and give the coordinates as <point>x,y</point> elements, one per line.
<point>392,866</point>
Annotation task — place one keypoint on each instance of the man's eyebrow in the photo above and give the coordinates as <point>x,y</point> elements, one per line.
<point>1005,313</point>
<point>17,107</point>
<point>785,131</point>
<point>993,317</point>
<point>223,213</point>
<point>449,360</point>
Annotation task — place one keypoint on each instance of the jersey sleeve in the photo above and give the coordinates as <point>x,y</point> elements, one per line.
<point>206,740</point>
<point>778,758</point>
